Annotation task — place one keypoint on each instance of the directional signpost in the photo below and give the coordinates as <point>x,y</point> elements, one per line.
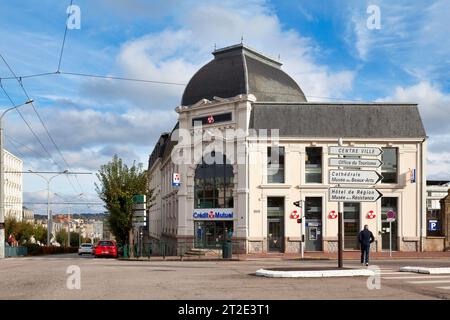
<point>139,217</point>
<point>354,163</point>
<point>353,194</point>
<point>349,173</point>
<point>354,176</point>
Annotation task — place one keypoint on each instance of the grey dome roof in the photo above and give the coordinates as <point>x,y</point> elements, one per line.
<point>240,70</point>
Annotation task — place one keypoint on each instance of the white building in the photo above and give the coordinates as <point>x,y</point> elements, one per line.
<point>13,185</point>
<point>238,188</point>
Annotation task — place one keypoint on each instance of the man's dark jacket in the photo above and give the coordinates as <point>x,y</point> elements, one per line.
<point>366,237</point>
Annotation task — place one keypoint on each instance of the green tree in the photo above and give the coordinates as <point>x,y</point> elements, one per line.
<point>40,233</point>
<point>61,237</point>
<point>118,184</point>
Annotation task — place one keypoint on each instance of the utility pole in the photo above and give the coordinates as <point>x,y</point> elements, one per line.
<point>2,181</point>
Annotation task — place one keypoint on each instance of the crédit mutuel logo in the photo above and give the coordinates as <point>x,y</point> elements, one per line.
<point>212,214</point>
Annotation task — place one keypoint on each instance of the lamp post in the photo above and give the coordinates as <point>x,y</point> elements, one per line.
<point>2,181</point>
<point>49,218</point>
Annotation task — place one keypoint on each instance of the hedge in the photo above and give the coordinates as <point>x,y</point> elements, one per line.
<point>36,250</point>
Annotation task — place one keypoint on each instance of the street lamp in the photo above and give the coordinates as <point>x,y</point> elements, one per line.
<point>2,181</point>
<point>49,218</point>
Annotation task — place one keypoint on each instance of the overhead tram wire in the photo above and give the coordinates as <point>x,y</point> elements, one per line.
<point>29,127</point>
<point>42,122</point>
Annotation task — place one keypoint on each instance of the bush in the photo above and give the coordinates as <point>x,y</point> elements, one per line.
<point>35,249</point>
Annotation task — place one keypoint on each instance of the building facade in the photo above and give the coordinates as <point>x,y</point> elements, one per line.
<point>248,145</point>
<point>13,185</point>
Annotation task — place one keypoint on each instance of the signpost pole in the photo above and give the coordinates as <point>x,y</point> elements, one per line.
<point>390,238</point>
<point>340,222</point>
<point>302,231</point>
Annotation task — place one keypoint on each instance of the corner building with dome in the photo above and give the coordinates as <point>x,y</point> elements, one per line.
<point>250,196</point>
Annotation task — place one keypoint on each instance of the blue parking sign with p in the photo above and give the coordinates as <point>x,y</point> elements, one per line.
<point>433,225</point>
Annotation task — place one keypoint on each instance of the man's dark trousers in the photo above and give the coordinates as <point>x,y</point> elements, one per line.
<point>365,249</point>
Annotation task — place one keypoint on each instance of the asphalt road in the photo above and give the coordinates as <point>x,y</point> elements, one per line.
<point>46,277</point>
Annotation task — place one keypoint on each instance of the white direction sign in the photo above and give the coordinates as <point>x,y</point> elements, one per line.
<point>139,224</point>
<point>354,176</point>
<point>140,213</point>
<point>354,163</point>
<point>355,151</point>
<point>353,194</point>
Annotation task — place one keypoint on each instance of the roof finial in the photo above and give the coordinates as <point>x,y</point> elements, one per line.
<point>279,57</point>
<point>215,46</point>
<point>242,39</point>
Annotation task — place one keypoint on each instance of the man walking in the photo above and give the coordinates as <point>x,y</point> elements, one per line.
<point>365,238</point>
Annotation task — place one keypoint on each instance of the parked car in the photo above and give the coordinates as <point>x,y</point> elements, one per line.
<point>106,248</point>
<point>85,248</point>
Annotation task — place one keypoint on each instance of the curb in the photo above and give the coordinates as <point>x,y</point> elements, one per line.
<point>315,274</point>
<point>426,270</point>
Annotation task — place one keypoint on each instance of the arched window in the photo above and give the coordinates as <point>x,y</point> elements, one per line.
<point>214,185</point>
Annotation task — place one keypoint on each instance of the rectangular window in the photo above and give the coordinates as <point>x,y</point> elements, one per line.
<point>389,167</point>
<point>313,165</point>
<point>275,165</point>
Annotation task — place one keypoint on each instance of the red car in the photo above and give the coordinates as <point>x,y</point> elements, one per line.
<point>106,248</point>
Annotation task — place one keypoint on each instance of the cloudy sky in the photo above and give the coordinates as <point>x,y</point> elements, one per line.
<point>325,46</point>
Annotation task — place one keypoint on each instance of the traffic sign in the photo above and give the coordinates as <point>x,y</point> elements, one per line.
<point>355,151</point>
<point>354,163</point>
<point>390,215</point>
<point>354,176</point>
<point>433,225</point>
<point>139,224</point>
<point>139,206</point>
<point>139,213</point>
<point>139,198</point>
<point>353,194</point>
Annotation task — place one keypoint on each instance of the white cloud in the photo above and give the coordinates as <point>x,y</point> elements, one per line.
<point>434,107</point>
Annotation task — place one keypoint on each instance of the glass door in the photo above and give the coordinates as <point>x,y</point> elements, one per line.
<point>274,236</point>
<point>275,224</point>
<point>351,225</point>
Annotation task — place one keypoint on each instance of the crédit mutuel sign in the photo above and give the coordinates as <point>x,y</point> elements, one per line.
<point>211,214</point>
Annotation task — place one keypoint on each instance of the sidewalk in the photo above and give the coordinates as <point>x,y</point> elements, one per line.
<point>348,255</point>
<point>353,255</point>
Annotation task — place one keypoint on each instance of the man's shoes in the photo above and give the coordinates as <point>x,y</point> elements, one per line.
<point>367,264</point>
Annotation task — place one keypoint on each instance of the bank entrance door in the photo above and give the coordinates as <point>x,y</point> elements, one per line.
<point>351,225</point>
<point>275,224</point>
<point>210,234</point>
<point>388,204</point>
<point>313,224</point>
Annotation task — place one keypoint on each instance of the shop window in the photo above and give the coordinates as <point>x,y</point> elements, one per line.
<point>214,185</point>
<point>275,164</point>
<point>313,165</point>
<point>389,167</point>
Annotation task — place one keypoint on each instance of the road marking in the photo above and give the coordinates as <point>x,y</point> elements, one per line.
<point>429,281</point>
<point>386,273</point>
<point>416,277</point>
<point>445,288</point>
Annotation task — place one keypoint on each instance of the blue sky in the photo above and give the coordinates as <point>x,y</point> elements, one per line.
<point>325,46</point>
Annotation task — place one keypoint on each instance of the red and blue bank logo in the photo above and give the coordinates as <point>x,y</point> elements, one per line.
<point>212,214</point>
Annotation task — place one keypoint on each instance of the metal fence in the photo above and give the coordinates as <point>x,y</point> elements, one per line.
<point>15,251</point>
<point>181,249</point>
